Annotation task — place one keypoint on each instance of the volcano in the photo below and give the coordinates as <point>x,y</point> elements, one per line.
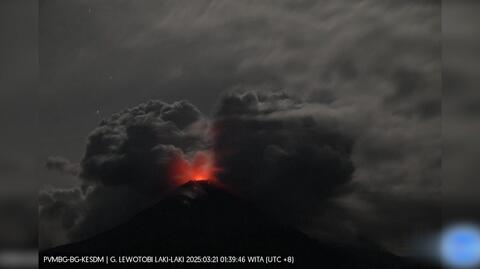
<point>202,218</point>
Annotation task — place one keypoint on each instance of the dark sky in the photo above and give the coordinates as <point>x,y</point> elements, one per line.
<point>19,157</point>
<point>374,65</point>
<point>97,58</point>
<point>18,67</point>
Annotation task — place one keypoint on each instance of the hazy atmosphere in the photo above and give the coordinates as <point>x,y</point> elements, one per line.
<point>335,102</point>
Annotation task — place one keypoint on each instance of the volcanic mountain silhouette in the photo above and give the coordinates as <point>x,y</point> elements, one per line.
<point>203,218</point>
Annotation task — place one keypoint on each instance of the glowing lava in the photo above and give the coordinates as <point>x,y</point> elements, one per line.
<point>201,167</point>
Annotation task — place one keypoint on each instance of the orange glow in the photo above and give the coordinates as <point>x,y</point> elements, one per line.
<point>201,167</point>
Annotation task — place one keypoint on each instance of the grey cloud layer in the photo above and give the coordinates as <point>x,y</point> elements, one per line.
<point>137,143</point>
<point>355,51</point>
<point>280,154</point>
<point>373,65</point>
<point>124,169</point>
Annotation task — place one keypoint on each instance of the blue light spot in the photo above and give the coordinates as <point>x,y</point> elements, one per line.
<point>460,246</point>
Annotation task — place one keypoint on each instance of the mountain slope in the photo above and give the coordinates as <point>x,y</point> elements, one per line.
<point>201,218</point>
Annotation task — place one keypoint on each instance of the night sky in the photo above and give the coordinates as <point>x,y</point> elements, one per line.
<point>359,81</point>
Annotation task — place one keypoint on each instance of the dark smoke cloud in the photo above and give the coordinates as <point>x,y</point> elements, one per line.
<point>292,158</point>
<point>63,204</point>
<point>61,164</point>
<point>134,147</point>
<point>297,160</point>
<point>374,65</point>
<point>124,169</point>
<point>271,148</point>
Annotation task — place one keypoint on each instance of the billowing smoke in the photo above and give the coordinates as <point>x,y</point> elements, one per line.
<point>62,165</point>
<point>269,147</point>
<point>374,65</point>
<point>340,171</point>
<point>281,152</point>
<point>134,147</point>
<point>125,168</point>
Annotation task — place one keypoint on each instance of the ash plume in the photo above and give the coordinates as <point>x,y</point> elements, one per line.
<point>280,152</point>
<point>124,169</point>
